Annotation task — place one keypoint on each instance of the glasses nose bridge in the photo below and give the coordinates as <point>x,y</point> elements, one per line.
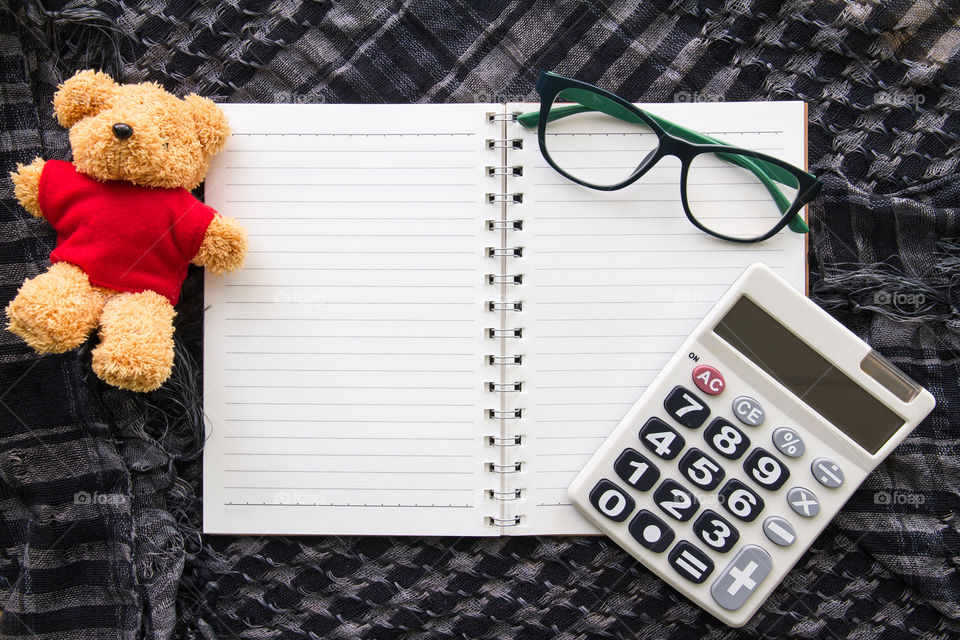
<point>672,146</point>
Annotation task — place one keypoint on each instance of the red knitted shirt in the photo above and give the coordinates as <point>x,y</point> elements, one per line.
<point>124,237</point>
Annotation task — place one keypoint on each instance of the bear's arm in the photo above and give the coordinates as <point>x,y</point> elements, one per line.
<point>26,185</point>
<point>224,246</point>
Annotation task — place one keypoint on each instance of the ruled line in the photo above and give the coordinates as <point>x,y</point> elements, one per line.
<point>361,438</point>
<point>350,455</point>
<point>349,504</point>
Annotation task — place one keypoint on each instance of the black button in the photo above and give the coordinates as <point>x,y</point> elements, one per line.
<point>636,470</point>
<point>651,532</point>
<point>726,439</point>
<point>765,470</point>
<point>686,408</point>
<point>690,562</point>
<point>715,531</point>
<point>662,439</point>
<point>612,501</point>
<point>701,469</point>
<point>741,500</point>
<point>675,501</point>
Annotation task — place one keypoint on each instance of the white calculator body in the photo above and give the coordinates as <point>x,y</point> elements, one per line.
<point>746,445</point>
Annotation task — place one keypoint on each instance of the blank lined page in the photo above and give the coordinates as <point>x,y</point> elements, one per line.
<point>614,281</point>
<point>343,365</point>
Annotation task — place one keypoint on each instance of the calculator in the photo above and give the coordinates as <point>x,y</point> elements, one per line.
<point>746,445</point>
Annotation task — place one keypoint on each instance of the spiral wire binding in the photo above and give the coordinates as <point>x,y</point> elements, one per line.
<point>504,199</point>
<point>504,143</point>
<point>504,170</point>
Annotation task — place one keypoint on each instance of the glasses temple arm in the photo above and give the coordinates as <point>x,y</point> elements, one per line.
<point>767,174</point>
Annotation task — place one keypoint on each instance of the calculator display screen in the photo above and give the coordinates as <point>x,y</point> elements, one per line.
<point>808,375</point>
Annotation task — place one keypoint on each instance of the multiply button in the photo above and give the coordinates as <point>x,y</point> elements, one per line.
<point>708,380</point>
<point>827,472</point>
<point>803,502</point>
<point>741,577</point>
<point>748,411</point>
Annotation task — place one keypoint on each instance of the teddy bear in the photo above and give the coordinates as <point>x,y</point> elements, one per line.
<point>127,225</point>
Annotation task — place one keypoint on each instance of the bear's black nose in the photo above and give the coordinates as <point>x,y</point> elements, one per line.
<point>122,130</point>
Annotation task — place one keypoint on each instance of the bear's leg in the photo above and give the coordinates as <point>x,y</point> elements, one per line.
<point>136,341</point>
<point>56,310</point>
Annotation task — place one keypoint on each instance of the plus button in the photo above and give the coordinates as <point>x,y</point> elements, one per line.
<point>742,578</point>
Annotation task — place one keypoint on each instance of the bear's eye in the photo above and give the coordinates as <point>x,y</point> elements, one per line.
<point>166,145</point>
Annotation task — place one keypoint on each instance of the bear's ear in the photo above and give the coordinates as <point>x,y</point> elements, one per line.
<point>84,94</point>
<point>213,129</point>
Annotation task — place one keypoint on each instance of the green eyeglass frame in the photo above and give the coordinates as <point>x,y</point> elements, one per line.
<point>676,141</point>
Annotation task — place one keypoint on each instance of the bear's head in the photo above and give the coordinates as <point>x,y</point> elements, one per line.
<point>139,132</point>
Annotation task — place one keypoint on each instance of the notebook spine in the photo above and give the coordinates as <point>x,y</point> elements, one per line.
<point>504,308</point>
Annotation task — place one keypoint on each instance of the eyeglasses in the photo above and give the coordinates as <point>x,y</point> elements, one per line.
<point>595,137</point>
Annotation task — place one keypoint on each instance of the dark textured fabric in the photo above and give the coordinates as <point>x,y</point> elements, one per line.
<point>99,488</point>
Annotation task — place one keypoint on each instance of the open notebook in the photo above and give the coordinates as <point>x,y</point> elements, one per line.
<point>351,383</point>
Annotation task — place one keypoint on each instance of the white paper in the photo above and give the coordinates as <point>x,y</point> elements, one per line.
<point>613,283</point>
<point>343,364</point>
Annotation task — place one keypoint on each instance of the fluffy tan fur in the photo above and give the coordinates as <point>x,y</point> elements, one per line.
<point>26,185</point>
<point>56,311</point>
<point>224,246</point>
<point>172,143</point>
<point>136,341</point>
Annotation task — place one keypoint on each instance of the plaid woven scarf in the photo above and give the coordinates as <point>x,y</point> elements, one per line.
<point>99,489</point>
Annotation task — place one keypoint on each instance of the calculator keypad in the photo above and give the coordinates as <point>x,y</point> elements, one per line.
<point>675,501</point>
<point>748,411</point>
<point>803,502</point>
<point>716,494</point>
<point>690,562</point>
<point>765,470</point>
<point>612,501</point>
<point>686,408</point>
<point>788,442</point>
<point>651,532</point>
<point>701,469</point>
<point>827,472</point>
<point>779,531</point>
<point>709,380</point>
<point>726,439</point>
<point>636,470</point>
<point>715,531</point>
<point>662,439</point>
<point>741,577</point>
<point>741,500</point>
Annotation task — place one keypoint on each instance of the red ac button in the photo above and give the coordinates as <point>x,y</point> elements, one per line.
<point>708,380</point>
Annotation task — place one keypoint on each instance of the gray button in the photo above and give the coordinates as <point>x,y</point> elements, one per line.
<point>827,472</point>
<point>788,442</point>
<point>779,531</point>
<point>748,411</point>
<point>741,577</point>
<point>803,502</point>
